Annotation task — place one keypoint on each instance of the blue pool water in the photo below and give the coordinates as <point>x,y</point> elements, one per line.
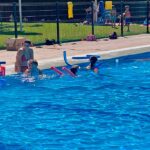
<point>110,111</point>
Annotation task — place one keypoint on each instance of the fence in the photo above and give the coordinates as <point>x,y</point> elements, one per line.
<point>50,20</point>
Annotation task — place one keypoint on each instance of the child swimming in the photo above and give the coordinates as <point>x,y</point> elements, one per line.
<point>92,65</point>
<point>74,69</point>
<point>33,69</point>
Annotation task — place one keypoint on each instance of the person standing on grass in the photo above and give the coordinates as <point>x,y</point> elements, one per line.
<point>127,16</point>
<point>113,16</point>
<point>24,54</point>
<point>89,13</point>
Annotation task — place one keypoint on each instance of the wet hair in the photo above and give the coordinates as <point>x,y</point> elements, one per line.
<point>31,61</point>
<point>35,62</point>
<point>74,69</point>
<point>93,60</point>
<point>28,42</point>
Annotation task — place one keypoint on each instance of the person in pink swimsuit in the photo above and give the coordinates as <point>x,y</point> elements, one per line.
<point>24,54</point>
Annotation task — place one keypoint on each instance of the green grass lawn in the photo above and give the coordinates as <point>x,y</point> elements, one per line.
<point>38,32</point>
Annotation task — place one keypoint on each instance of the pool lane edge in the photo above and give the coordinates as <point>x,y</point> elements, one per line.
<point>47,63</point>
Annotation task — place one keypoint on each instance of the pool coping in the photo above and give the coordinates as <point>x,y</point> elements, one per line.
<point>47,63</point>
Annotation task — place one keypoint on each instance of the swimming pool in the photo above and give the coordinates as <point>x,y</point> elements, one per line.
<point>109,111</point>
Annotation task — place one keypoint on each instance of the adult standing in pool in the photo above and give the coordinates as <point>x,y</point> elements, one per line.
<point>24,54</point>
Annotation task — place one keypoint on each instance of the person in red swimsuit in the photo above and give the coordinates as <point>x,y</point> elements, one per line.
<point>24,54</point>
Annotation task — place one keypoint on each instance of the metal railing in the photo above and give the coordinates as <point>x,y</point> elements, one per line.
<point>50,20</point>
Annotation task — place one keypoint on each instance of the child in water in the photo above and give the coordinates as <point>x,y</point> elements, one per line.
<point>33,69</point>
<point>74,69</point>
<point>92,65</point>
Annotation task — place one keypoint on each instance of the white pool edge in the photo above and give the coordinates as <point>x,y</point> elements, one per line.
<point>47,63</point>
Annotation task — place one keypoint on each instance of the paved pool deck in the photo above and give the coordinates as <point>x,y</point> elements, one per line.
<point>53,55</point>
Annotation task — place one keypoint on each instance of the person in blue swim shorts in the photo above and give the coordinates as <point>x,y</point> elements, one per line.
<point>127,16</point>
